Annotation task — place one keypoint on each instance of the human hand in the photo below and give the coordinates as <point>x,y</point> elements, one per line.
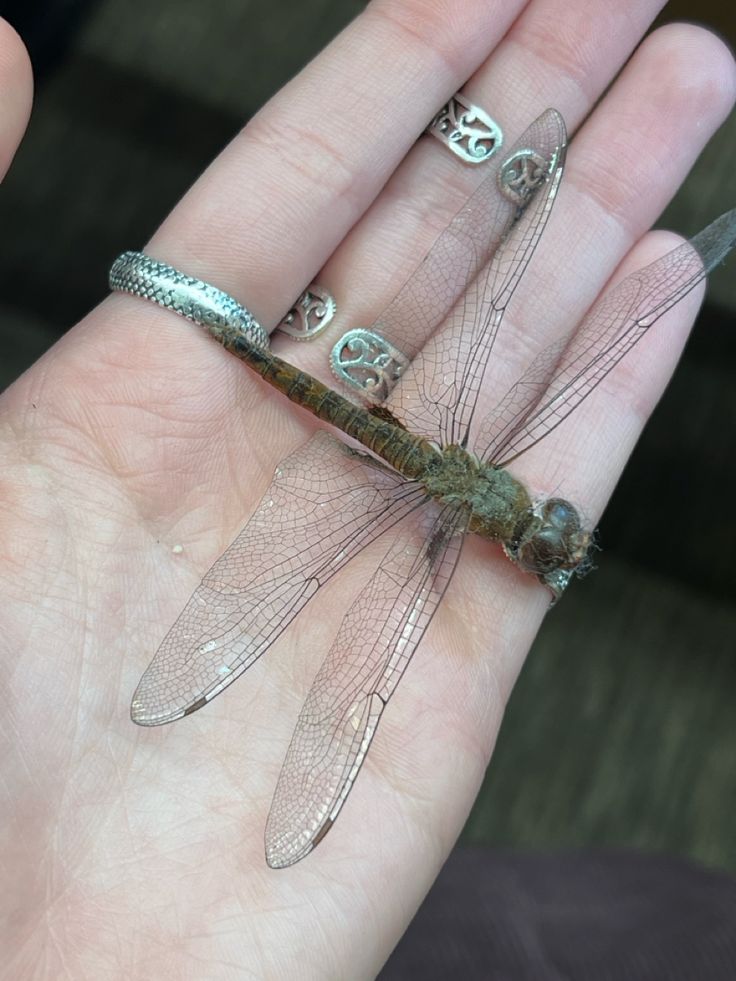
<point>136,433</point>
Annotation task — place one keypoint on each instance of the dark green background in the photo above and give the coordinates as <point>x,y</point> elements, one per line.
<point>622,728</point>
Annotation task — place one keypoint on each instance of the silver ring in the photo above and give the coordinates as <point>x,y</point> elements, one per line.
<point>467,130</point>
<point>139,274</point>
<point>311,313</point>
<point>368,363</point>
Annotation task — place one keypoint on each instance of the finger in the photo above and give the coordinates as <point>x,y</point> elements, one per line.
<point>265,246</point>
<point>248,209</point>
<point>273,206</point>
<point>492,611</point>
<point>550,57</point>
<point>622,169</point>
<point>16,93</point>
<point>258,223</point>
<point>491,606</point>
<point>267,213</point>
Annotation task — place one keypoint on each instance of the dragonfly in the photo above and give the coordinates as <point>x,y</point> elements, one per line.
<point>430,469</point>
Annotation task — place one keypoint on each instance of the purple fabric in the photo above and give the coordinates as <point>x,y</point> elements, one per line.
<point>584,916</point>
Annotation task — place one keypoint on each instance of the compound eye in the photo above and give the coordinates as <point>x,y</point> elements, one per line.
<point>561,515</point>
<point>557,541</point>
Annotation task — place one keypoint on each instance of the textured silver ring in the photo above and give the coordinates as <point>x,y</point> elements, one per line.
<point>467,130</point>
<point>139,274</point>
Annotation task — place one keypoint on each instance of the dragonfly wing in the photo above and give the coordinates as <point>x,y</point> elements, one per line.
<point>610,329</point>
<point>511,412</point>
<point>503,220</point>
<point>455,258</point>
<point>365,663</point>
<point>325,502</point>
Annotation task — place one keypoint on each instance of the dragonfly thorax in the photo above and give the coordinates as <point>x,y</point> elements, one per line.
<point>546,538</point>
<point>498,503</point>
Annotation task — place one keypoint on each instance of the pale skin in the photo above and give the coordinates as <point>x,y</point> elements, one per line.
<point>139,853</point>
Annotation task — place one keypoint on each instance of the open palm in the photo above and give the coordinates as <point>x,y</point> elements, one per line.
<point>136,448</point>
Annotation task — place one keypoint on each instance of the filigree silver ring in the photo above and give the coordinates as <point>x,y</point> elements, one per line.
<point>466,130</point>
<point>313,310</point>
<point>368,363</point>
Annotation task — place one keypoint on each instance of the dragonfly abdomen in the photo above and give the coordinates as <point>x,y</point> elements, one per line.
<point>405,452</point>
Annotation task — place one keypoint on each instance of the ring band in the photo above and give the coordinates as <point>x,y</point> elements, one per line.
<point>313,310</point>
<point>467,130</point>
<point>368,363</point>
<point>139,274</point>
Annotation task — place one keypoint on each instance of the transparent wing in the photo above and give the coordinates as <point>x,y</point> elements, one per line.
<point>367,660</point>
<point>325,502</point>
<point>506,418</point>
<point>558,381</point>
<point>437,395</point>
<point>456,257</point>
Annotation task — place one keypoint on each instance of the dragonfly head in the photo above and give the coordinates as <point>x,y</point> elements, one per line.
<point>553,540</point>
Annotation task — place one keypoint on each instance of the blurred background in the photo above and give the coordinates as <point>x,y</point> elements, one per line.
<point>622,729</point>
